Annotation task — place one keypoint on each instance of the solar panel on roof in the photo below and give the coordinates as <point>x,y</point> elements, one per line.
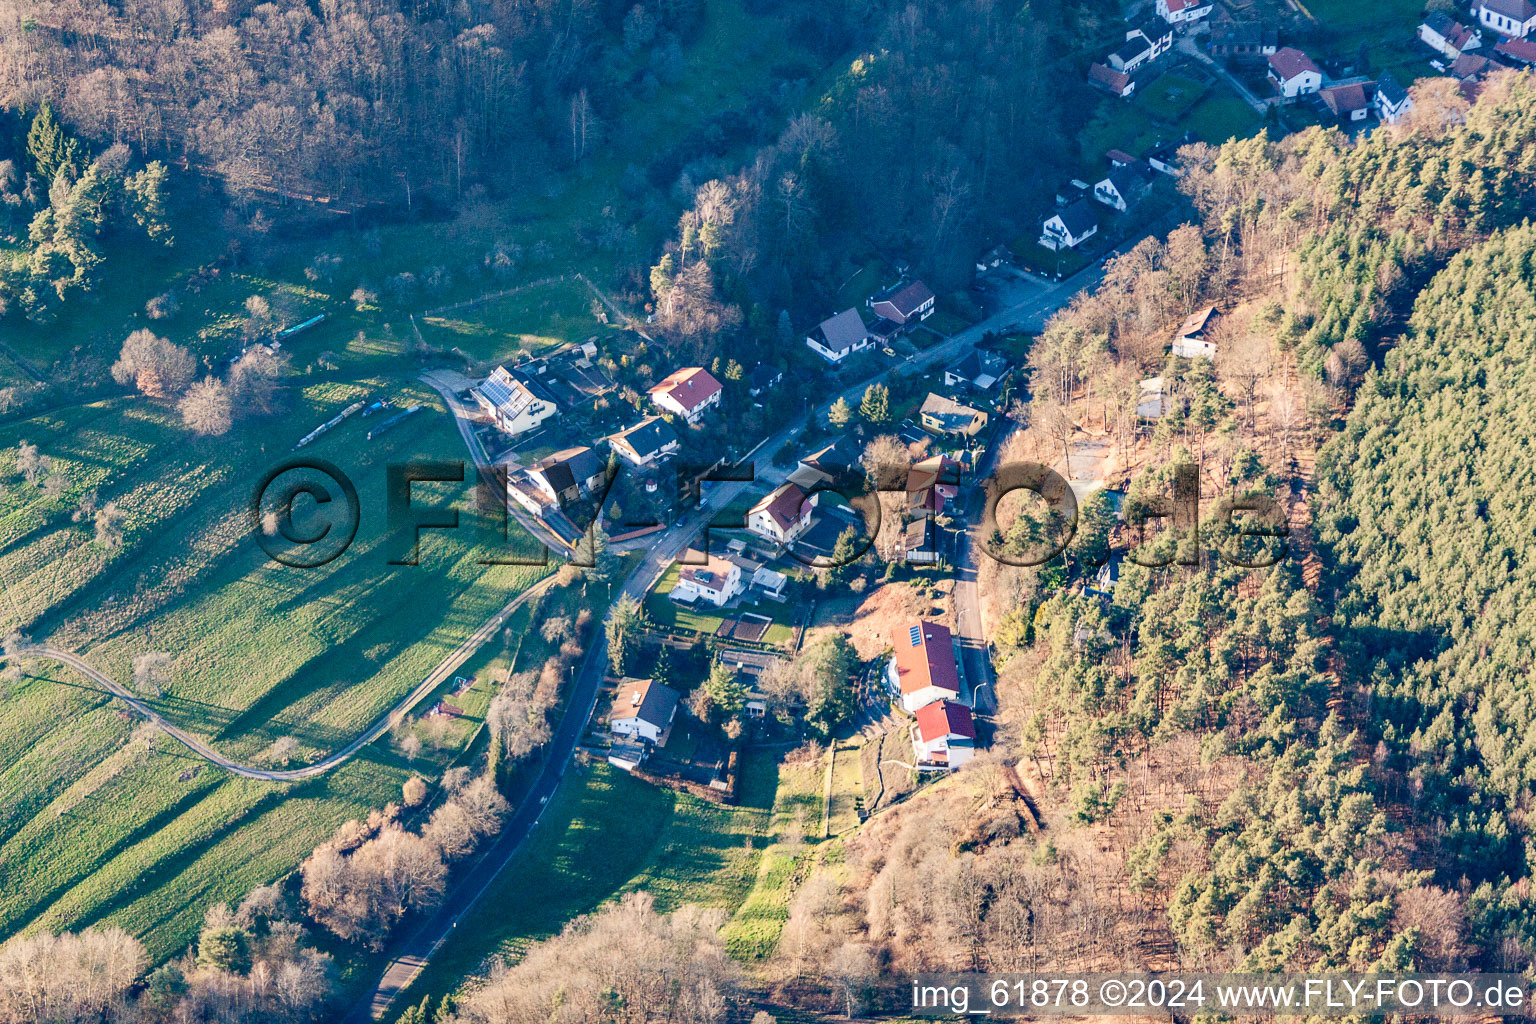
<point>916,634</point>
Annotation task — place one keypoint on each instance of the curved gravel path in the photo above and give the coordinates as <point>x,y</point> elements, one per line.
<point>433,680</point>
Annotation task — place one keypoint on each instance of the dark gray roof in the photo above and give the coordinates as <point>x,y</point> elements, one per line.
<point>567,468</point>
<point>1079,217</point>
<point>649,436</point>
<point>1389,89</point>
<point>1132,50</point>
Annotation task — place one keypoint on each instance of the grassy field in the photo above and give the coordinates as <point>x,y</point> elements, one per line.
<point>95,829</point>
<point>605,834</point>
<point>533,319</point>
<point>1171,96</point>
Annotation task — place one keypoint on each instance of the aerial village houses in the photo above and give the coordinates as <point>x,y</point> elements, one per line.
<point>1447,36</point>
<point>512,405</point>
<point>1507,17</point>
<point>1293,73</point>
<point>1517,53</point>
<point>945,734</point>
<point>718,582</point>
<point>923,668</point>
<point>946,416</point>
<point>1119,188</point>
<point>1192,341</point>
<point>838,337</point>
<point>977,369</point>
<point>1069,228</point>
<point>1117,83</point>
<point>1348,103</point>
<point>782,515</point>
<point>903,303</point>
<point>1183,12</point>
<point>920,542</point>
<point>932,484</point>
<point>642,710</point>
<point>1392,100</point>
<point>566,476</point>
<point>689,393</point>
<point>647,441</point>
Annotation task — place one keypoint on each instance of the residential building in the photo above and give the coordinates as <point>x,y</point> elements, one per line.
<point>1120,158</point>
<point>643,709</point>
<point>1116,83</point>
<point>1392,100</point>
<point>1151,401</point>
<point>1183,12</point>
<point>512,404</point>
<point>1243,40</point>
<point>1192,341</point>
<point>1293,73</point>
<point>1158,34</point>
<point>1447,36</point>
<point>1517,53</point>
<point>920,541</point>
<point>1348,103</point>
<point>923,668</point>
<point>568,475</point>
<point>782,515</point>
<point>718,582</point>
<point>1471,67</point>
<point>826,465</point>
<point>838,337</point>
<point>946,416</point>
<point>945,734</point>
<point>763,378</point>
<point>1131,54</point>
<point>689,393</point>
<point>977,369</point>
<point>1119,188</point>
<point>1069,228</point>
<point>932,484</point>
<point>644,443</point>
<point>1515,18</point>
<point>903,302</point>
<point>1164,157</point>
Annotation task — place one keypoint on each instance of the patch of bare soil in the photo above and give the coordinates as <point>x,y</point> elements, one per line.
<point>872,618</point>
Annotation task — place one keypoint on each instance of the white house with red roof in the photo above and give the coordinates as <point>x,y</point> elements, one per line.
<point>1183,12</point>
<point>923,668</point>
<point>689,393</point>
<point>1507,17</point>
<point>1293,73</point>
<point>781,516</point>
<point>945,734</point>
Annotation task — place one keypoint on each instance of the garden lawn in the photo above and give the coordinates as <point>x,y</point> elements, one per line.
<point>606,833</point>
<point>95,829</point>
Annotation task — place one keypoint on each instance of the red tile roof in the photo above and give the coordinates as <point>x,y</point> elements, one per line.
<point>945,718</point>
<point>1522,50</point>
<point>925,656</point>
<point>783,506</point>
<point>1289,62</point>
<point>689,387</point>
<point>1120,156</point>
<point>1114,81</point>
<point>1344,99</point>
